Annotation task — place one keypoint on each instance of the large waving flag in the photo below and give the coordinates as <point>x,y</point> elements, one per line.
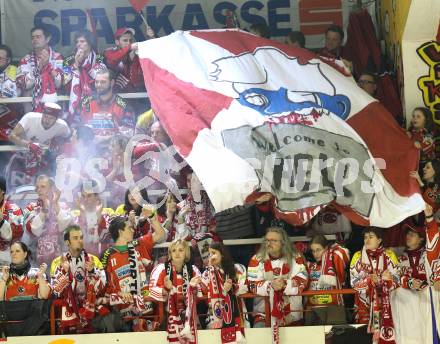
<point>251,115</point>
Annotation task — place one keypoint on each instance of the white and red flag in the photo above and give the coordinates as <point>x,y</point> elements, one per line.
<point>251,115</point>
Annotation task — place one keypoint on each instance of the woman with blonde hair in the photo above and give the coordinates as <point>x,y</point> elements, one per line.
<point>176,282</point>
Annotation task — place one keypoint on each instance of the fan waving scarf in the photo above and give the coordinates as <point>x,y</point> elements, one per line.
<point>252,115</point>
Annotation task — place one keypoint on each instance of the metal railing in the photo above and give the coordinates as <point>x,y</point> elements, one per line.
<point>160,315</point>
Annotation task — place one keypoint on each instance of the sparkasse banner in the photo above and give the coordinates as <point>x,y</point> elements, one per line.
<point>63,18</point>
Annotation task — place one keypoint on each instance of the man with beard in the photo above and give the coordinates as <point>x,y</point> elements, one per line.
<point>106,113</point>
<point>77,278</point>
<point>11,224</point>
<point>38,131</point>
<point>45,219</point>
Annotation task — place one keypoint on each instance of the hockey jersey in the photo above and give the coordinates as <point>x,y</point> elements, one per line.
<point>22,287</point>
<point>116,263</point>
<point>262,272</point>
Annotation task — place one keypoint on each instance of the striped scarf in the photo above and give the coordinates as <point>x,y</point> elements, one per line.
<point>177,330</point>
<point>225,309</point>
<point>381,320</point>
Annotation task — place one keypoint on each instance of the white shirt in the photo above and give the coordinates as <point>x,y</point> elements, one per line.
<point>31,123</point>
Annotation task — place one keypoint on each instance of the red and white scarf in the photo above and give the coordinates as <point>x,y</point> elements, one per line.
<point>276,298</point>
<point>381,321</point>
<point>329,274</point>
<point>77,311</point>
<point>225,309</point>
<point>177,330</point>
<point>200,215</point>
<point>44,82</point>
<point>82,83</point>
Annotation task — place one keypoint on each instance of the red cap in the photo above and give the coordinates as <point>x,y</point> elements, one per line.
<point>52,109</point>
<point>419,230</point>
<point>119,32</point>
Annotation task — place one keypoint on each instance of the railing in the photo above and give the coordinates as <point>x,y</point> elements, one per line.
<point>160,305</point>
<point>14,100</point>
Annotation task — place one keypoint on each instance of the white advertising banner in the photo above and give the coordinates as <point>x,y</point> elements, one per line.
<point>62,18</point>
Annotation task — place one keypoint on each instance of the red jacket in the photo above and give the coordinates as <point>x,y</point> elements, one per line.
<point>129,72</point>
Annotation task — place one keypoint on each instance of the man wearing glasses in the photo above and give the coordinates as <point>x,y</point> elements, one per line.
<point>277,271</point>
<point>367,81</point>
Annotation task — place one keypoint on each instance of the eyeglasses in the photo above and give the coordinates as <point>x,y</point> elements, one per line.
<point>271,241</point>
<point>363,82</point>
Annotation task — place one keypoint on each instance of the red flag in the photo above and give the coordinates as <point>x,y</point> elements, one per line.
<point>138,5</point>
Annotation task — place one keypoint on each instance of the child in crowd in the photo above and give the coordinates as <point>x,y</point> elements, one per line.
<point>421,132</point>
<point>327,272</point>
<point>374,273</point>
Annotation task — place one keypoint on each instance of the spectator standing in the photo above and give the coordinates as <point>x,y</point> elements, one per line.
<point>45,219</point>
<point>42,133</point>
<point>19,281</point>
<point>279,272</point>
<point>11,224</point>
<point>374,274</point>
<point>10,113</point>
<point>126,265</point>
<point>106,113</point>
<point>124,62</point>
<point>78,278</point>
<point>80,70</point>
<point>40,73</point>
<point>413,296</point>
<point>327,272</point>
<point>170,282</point>
<point>421,133</point>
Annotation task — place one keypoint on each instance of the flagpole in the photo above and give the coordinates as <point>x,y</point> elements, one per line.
<point>145,21</point>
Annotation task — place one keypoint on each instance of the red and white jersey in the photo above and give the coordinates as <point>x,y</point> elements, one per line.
<point>11,228</point>
<point>46,229</point>
<point>129,72</point>
<point>433,251</point>
<point>9,114</point>
<point>41,84</point>
<point>107,119</point>
<point>79,277</point>
<point>22,287</point>
<point>95,229</point>
<point>426,140</point>
<point>361,267</point>
<point>261,272</point>
<point>431,195</point>
<point>412,266</point>
<point>116,263</point>
<point>157,282</point>
<point>328,274</point>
